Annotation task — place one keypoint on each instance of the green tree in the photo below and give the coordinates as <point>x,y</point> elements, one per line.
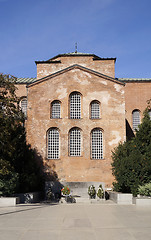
<point>131,164</point>
<point>21,166</point>
<point>143,144</point>
<point>8,178</point>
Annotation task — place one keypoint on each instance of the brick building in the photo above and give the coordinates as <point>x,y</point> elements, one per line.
<point>77,113</point>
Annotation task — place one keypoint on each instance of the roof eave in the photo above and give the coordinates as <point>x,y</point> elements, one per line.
<point>48,61</point>
<point>95,57</point>
<point>136,80</point>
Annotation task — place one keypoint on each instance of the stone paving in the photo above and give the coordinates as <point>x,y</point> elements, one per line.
<point>75,222</point>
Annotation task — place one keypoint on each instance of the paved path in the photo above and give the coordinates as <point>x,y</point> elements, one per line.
<point>75,222</point>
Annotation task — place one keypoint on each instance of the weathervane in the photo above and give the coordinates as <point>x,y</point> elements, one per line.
<point>75,47</point>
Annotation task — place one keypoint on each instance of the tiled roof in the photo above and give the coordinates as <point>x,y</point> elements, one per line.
<point>95,57</point>
<point>25,80</point>
<point>72,54</point>
<point>135,79</point>
<point>31,80</point>
<point>78,54</point>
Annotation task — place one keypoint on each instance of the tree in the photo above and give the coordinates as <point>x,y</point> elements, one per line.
<point>131,164</point>
<point>20,170</point>
<point>8,178</point>
<point>143,144</point>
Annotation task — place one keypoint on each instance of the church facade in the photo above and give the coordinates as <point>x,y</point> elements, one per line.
<point>77,112</point>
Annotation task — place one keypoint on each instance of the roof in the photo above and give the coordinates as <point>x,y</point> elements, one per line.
<point>74,54</point>
<point>76,66</point>
<point>25,80</point>
<point>126,80</point>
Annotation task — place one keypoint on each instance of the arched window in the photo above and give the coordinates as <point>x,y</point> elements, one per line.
<point>149,113</point>
<point>23,105</point>
<point>75,105</point>
<point>136,119</point>
<point>75,142</point>
<point>53,143</point>
<point>95,109</point>
<point>96,144</point>
<point>55,109</point>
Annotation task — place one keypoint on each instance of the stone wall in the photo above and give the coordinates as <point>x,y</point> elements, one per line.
<point>94,79</point>
<point>136,96</point>
<point>21,90</point>
<point>103,66</point>
<point>108,92</point>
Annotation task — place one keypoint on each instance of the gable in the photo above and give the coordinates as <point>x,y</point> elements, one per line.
<point>74,67</point>
<point>91,85</point>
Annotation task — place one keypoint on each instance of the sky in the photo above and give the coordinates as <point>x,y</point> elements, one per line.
<point>34,30</point>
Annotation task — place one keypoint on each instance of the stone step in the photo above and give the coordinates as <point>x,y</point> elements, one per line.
<point>82,200</point>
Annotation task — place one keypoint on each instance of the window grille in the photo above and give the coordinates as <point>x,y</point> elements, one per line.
<point>75,142</point>
<point>136,119</point>
<point>55,109</point>
<point>96,144</point>
<point>24,106</point>
<point>53,144</point>
<point>75,106</point>
<point>95,110</point>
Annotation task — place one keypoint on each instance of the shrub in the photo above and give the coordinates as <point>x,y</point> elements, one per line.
<point>70,199</point>
<point>100,192</point>
<point>92,191</point>
<point>50,195</point>
<point>145,190</point>
<point>65,190</point>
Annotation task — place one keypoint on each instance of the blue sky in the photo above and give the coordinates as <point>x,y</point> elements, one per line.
<point>33,30</point>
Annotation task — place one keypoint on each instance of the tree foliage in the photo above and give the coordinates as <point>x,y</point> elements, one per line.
<point>145,190</point>
<point>131,164</point>
<point>20,165</point>
<point>8,178</point>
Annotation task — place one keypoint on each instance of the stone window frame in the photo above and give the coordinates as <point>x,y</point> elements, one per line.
<point>23,107</point>
<point>53,150</point>
<point>76,150</point>
<point>93,110</point>
<point>136,119</point>
<point>97,151</point>
<point>56,101</point>
<point>76,106</point>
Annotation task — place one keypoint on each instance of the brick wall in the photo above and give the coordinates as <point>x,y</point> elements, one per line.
<point>103,66</point>
<point>112,122</point>
<point>116,103</point>
<point>136,96</point>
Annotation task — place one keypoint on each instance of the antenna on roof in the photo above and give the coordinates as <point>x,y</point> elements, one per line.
<point>75,47</point>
